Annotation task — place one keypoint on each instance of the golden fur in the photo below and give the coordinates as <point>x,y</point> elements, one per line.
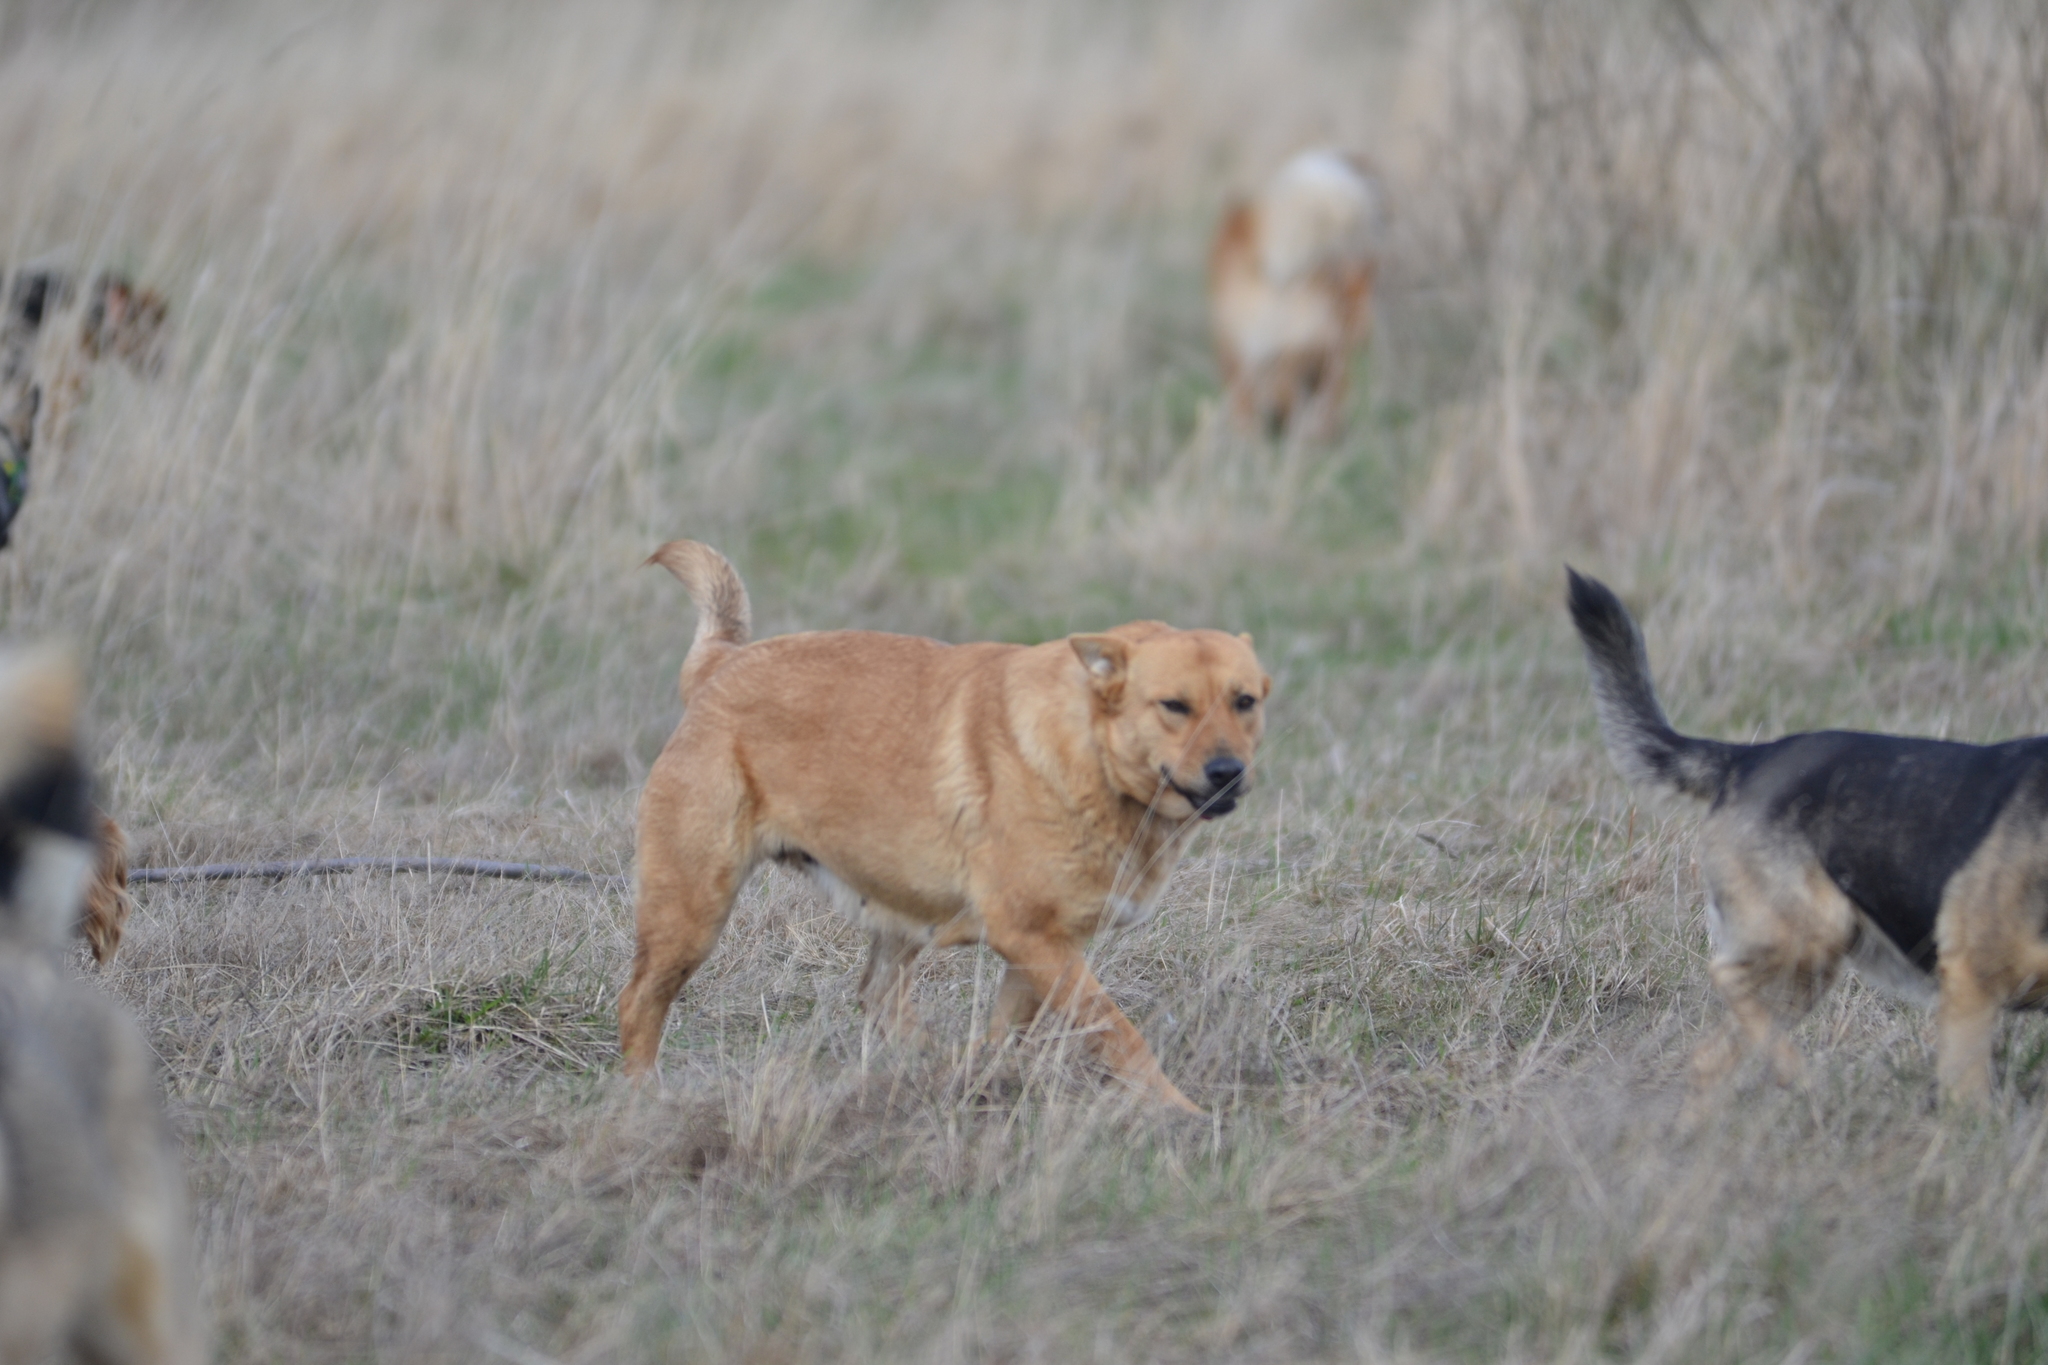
<point>107,902</point>
<point>1024,797</point>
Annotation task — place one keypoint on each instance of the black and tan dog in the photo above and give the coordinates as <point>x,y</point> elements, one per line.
<point>1922,863</point>
<point>1022,797</point>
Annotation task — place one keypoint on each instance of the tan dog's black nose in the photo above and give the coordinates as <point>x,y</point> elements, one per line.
<point>1222,772</point>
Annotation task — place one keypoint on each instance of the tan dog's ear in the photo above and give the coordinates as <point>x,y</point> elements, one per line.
<point>1266,687</point>
<point>1245,636</point>
<point>1105,657</point>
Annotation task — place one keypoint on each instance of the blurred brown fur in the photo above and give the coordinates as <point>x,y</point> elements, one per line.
<point>1290,292</point>
<point>107,902</point>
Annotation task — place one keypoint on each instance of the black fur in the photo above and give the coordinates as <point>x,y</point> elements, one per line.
<point>55,796</point>
<point>34,294</point>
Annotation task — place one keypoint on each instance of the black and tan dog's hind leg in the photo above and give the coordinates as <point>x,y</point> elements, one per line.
<point>1781,931</point>
<point>1990,953</point>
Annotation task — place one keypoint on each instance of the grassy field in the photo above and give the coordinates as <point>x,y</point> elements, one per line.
<point>1741,305</point>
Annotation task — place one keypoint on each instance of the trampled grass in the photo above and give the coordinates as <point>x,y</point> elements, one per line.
<point>900,306</point>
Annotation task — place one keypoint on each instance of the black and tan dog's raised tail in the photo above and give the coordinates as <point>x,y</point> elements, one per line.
<point>1640,740</point>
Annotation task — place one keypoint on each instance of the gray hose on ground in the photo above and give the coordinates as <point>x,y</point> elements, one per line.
<point>328,867</point>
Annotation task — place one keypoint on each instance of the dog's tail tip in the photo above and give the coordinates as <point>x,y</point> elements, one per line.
<point>723,612</point>
<point>681,557</point>
<point>1591,600</point>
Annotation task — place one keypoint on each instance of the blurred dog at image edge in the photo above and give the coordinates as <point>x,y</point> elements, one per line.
<point>95,1251</point>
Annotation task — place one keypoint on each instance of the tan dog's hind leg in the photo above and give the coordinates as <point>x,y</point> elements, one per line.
<point>885,986</point>
<point>1052,968</point>
<point>1326,400</point>
<point>693,858</point>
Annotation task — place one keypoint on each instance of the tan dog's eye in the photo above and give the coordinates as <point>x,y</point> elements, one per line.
<point>1176,706</point>
<point>1245,701</point>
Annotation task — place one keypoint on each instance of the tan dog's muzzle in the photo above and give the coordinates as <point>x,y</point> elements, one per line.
<point>1223,783</point>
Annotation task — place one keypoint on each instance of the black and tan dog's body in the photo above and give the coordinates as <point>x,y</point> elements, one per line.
<point>1922,863</point>
<point>1022,797</point>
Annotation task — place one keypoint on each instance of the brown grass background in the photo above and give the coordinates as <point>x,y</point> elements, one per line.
<point>1740,303</point>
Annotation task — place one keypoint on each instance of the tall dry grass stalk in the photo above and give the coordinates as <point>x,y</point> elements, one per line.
<point>1783,263</point>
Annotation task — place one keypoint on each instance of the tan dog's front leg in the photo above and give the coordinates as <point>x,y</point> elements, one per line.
<point>1965,1022</point>
<point>1052,967</point>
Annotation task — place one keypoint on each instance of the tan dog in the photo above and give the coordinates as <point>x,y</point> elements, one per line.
<point>944,794</point>
<point>1290,291</point>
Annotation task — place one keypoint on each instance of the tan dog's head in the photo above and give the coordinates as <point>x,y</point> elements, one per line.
<point>1178,714</point>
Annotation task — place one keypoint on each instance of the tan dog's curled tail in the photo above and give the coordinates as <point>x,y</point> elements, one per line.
<point>724,619</point>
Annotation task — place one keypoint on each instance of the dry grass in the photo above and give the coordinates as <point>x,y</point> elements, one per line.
<point>900,306</point>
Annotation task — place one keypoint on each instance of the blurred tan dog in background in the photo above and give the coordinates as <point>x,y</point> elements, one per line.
<point>1290,291</point>
<point>95,1254</point>
<point>1024,797</point>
